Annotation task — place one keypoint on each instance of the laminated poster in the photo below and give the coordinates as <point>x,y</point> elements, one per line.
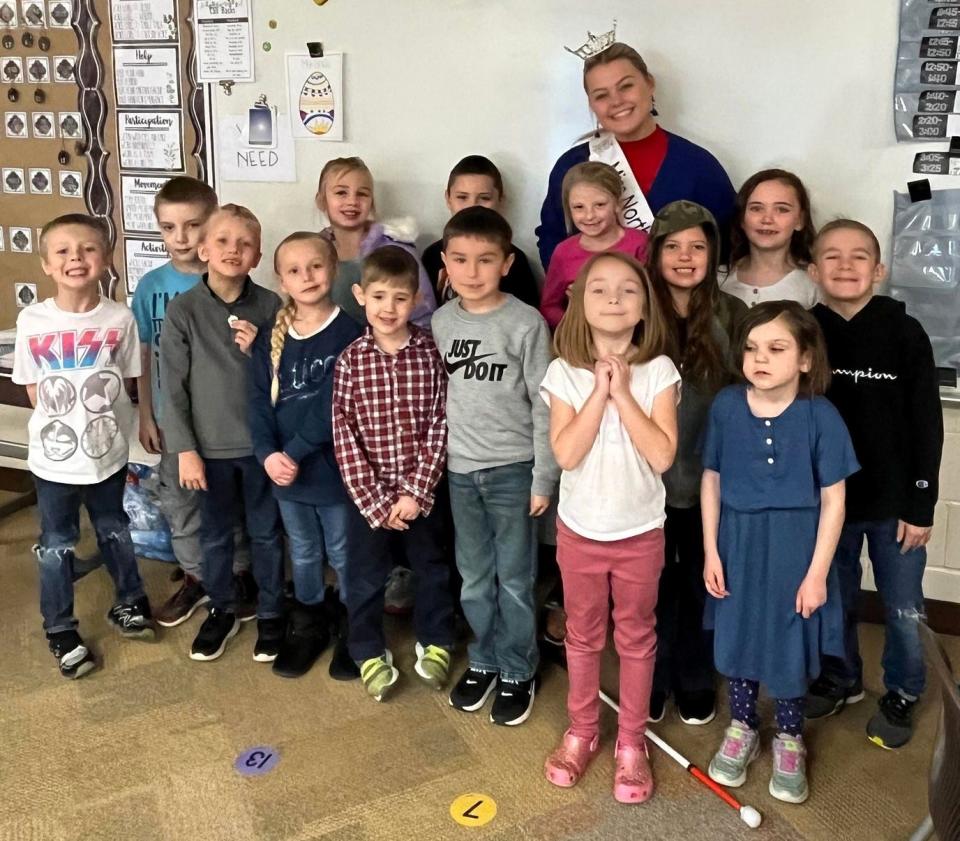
<point>150,140</point>
<point>147,76</point>
<point>315,91</point>
<point>143,20</point>
<point>140,256</point>
<point>224,39</point>
<point>137,193</point>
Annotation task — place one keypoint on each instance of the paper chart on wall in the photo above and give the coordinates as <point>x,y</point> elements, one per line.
<point>141,256</point>
<point>143,20</point>
<point>224,38</point>
<point>315,91</point>
<point>137,194</point>
<point>241,160</point>
<point>147,76</point>
<point>150,140</point>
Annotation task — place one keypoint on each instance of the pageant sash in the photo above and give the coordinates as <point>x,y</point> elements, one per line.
<point>634,210</point>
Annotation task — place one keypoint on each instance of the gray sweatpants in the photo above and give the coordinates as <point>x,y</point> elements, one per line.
<point>181,507</point>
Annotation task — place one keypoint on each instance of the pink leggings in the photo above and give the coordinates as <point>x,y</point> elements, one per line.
<point>592,571</point>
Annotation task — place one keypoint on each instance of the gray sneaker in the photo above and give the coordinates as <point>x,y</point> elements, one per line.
<point>789,780</point>
<point>740,747</point>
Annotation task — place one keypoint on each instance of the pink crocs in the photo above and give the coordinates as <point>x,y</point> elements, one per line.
<point>633,779</point>
<point>565,766</point>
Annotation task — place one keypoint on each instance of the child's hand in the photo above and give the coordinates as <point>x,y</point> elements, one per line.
<point>601,372</point>
<point>193,475</point>
<point>243,334</point>
<point>538,504</point>
<point>619,376</point>
<point>910,537</point>
<point>713,576</point>
<point>406,508</point>
<point>150,435</point>
<point>811,595</point>
<point>281,469</point>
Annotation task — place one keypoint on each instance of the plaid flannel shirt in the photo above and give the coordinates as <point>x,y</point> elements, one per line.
<point>390,423</point>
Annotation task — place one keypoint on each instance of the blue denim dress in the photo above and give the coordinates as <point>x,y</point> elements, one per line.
<point>771,472</point>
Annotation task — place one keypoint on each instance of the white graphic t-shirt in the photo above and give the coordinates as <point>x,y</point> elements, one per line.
<point>80,427</point>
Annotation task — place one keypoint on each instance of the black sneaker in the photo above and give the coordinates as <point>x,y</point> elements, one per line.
<point>514,702</point>
<point>270,633</point>
<point>827,697</point>
<point>658,706</point>
<point>698,707</point>
<point>73,657</point>
<point>892,724</point>
<point>472,690</point>
<point>246,590</point>
<point>211,639</point>
<point>134,621</point>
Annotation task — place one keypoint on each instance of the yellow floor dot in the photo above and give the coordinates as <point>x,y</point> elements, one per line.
<point>473,809</point>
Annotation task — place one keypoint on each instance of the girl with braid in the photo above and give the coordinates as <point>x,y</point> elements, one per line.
<point>291,394</point>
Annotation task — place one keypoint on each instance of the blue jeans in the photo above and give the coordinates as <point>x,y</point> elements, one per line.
<point>496,547</point>
<point>899,579</point>
<point>59,506</point>
<point>315,532</point>
<point>230,481</point>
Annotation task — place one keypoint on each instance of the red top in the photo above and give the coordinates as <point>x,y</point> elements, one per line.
<point>645,157</point>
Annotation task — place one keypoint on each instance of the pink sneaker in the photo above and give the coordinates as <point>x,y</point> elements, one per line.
<point>565,766</point>
<point>633,779</point>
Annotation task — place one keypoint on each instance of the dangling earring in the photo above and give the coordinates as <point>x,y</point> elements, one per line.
<point>596,131</point>
<point>653,107</point>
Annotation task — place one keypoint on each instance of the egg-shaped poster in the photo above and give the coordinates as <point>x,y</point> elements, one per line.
<point>317,106</point>
<point>315,86</point>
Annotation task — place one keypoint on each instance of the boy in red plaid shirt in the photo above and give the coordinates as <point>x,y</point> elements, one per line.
<point>390,440</point>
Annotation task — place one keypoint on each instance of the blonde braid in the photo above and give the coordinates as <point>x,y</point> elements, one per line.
<point>277,339</point>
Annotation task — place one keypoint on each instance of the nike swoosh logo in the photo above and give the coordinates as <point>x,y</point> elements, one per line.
<point>456,366</point>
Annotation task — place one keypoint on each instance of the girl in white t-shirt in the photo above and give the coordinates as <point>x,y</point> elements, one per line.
<point>613,428</point>
<point>771,241</point>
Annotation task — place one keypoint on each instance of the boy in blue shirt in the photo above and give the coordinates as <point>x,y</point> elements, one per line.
<point>182,208</point>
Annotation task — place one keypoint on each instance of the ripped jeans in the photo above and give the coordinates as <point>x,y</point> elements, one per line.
<point>899,581</point>
<point>59,506</point>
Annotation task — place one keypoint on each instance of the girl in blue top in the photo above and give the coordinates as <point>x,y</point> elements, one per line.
<point>291,423</point>
<point>775,458</point>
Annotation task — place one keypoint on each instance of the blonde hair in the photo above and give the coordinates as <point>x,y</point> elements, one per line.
<point>573,341</point>
<point>341,166</point>
<point>286,313</point>
<point>596,174</point>
<point>238,211</point>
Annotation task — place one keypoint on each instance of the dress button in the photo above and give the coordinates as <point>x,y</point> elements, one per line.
<point>769,461</point>
<point>766,423</point>
<point>769,441</point>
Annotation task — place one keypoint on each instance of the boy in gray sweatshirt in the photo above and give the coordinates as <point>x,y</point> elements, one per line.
<point>501,470</point>
<point>204,351</point>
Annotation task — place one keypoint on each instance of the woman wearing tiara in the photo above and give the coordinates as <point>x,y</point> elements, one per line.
<point>657,167</point>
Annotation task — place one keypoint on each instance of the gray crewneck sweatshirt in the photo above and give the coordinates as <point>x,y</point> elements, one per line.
<point>204,383</point>
<point>496,361</point>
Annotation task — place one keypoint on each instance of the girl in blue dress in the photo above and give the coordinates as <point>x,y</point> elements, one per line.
<point>775,459</point>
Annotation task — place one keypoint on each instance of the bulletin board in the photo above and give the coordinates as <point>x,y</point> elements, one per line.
<point>120,111</point>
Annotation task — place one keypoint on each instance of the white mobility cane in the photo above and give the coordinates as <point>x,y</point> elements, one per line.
<point>750,816</point>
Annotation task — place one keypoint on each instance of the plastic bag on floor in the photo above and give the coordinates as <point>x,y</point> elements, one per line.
<point>148,527</point>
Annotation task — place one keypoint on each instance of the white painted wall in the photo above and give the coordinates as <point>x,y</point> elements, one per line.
<point>803,85</point>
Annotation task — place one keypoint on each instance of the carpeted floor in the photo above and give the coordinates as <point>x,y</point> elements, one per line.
<point>143,749</point>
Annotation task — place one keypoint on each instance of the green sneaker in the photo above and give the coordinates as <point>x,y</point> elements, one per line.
<point>740,747</point>
<point>433,665</point>
<point>378,675</point>
<point>789,780</point>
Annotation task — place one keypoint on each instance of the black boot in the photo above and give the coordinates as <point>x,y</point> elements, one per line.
<point>342,666</point>
<point>304,641</point>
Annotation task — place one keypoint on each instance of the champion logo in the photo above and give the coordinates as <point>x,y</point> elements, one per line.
<point>860,374</point>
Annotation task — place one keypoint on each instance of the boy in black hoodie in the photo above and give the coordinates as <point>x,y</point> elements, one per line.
<point>885,387</point>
